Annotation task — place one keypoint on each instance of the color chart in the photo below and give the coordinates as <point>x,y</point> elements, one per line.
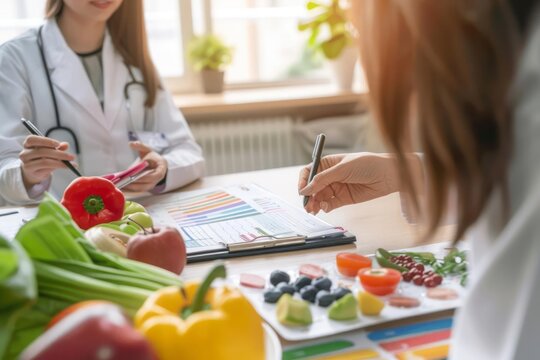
<point>428,340</point>
<point>213,218</point>
<point>209,208</point>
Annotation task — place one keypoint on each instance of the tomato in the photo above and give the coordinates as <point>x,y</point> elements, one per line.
<point>348,264</point>
<point>381,281</point>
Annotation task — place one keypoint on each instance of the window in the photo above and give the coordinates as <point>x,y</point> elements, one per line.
<point>268,48</point>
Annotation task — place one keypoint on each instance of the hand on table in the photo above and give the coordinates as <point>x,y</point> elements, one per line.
<point>156,163</point>
<point>348,179</point>
<point>40,157</point>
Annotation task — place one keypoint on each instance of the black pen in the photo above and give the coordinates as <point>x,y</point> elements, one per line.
<point>9,213</point>
<point>35,131</point>
<point>316,158</point>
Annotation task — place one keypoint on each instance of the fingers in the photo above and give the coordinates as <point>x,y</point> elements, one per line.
<point>303,177</point>
<point>159,170</point>
<point>319,182</point>
<point>32,154</point>
<point>34,141</point>
<point>140,147</point>
<point>331,204</point>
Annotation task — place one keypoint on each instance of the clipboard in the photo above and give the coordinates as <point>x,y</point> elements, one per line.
<point>273,246</point>
<point>241,220</point>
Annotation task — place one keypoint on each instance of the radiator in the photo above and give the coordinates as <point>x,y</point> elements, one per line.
<point>248,144</point>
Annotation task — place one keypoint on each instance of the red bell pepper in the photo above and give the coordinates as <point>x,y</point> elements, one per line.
<point>93,201</point>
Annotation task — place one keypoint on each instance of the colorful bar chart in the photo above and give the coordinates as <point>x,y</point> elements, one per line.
<point>209,208</point>
<point>211,219</point>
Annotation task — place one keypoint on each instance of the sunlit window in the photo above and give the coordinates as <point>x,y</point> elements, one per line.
<point>267,43</point>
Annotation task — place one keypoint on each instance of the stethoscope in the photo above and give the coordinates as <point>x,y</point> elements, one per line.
<point>59,126</point>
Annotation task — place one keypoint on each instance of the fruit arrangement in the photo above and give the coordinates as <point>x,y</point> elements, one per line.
<point>122,227</point>
<point>354,291</point>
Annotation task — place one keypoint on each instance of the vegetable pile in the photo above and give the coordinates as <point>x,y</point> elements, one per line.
<point>51,265</point>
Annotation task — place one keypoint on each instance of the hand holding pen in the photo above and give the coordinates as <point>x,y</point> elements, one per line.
<point>41,156</point>
<point>346,179</point>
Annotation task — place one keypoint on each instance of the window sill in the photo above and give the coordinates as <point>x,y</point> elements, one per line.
<point>290,99</point>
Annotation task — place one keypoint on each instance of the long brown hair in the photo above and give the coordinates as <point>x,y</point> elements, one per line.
<point>128,34</point>
<point>451,64</point>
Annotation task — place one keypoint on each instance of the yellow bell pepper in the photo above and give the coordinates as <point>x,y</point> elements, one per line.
<point>179,326</point>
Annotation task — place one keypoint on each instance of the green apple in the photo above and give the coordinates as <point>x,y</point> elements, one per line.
<point>131,207</point>
<point>138,219</point>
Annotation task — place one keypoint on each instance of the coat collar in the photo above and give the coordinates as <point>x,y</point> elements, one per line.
<point>68,74</point>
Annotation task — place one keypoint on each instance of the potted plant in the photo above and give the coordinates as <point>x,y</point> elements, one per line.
<point>331,35</point>
<point>209,55</point>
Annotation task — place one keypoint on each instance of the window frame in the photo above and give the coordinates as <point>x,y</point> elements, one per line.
<point>189,82</point>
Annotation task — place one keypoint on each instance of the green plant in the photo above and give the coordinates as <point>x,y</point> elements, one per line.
<point>333,17</point>
<point>208,52</point>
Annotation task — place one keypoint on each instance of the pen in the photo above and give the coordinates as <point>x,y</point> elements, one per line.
<point>35,131</point>
<point>316,158</point>
<point>9,213</point>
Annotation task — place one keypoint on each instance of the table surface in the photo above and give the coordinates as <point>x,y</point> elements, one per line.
<point>377,223</point>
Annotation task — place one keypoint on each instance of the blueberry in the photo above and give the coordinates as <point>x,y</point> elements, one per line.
<point>272,295</point>
<point>308,293</point>
<point>278,276</point>
<point>286,288</point>
<point>322,283</point>
<point>324,298</point>
<point>341,292</point>
<point>301,282</point>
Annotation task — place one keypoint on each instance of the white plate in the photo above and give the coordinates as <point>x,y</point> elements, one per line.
<point>323,326</point>
<point>272,345</point>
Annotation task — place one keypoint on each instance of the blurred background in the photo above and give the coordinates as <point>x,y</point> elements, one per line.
<point>290,71</point>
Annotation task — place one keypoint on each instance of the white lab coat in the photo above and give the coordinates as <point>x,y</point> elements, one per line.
<point>102,133</point>
<point>500,318</point>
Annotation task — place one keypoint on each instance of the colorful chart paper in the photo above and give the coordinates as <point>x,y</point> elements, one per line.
<point>214,218</point>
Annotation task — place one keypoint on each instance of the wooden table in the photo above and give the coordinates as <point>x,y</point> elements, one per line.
<point>377,223</point>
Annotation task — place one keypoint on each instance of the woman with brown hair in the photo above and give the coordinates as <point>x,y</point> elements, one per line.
<point>86,80</point>
<point>460,81</point>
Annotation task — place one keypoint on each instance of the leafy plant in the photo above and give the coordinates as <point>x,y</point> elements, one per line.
<point>208,52</point>
<point>333,17</point>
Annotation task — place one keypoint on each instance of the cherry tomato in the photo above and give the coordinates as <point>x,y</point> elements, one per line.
<point>379,281</point>
<point>348,264</point>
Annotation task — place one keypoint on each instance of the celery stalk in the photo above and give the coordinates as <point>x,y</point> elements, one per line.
<point>46,238</point>
<point>164,277</point>
<point>111,275</point>
<point>69,286</point>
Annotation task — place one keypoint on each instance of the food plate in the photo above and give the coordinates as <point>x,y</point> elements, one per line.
<point>272,345</point>
<point>323,326</point>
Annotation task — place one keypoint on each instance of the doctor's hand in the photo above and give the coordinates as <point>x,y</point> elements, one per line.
<point>349,179</point>
<point>157,164</point>
<point>40,157</point>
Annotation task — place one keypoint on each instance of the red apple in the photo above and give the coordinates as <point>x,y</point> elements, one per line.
<point>164,248</point>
